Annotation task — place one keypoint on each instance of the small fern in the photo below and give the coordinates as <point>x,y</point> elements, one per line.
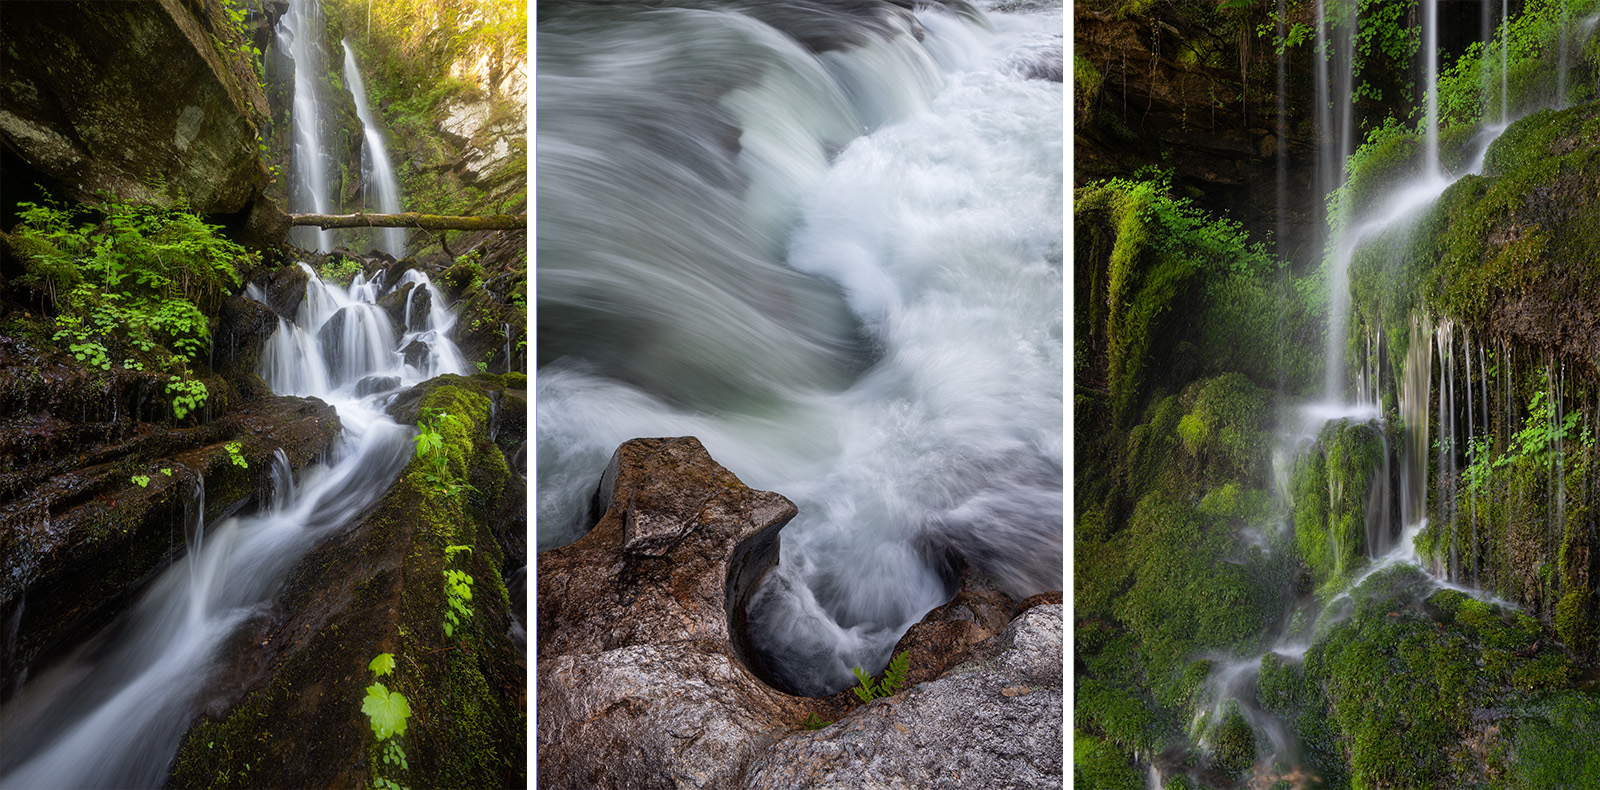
<point>894,678</point>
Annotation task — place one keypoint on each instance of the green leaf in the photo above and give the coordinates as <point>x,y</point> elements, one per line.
<point>383,664</point>
<point>387,709</point>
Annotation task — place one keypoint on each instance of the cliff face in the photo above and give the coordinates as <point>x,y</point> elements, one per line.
<point>1190,92</point>
<point>144,100</point>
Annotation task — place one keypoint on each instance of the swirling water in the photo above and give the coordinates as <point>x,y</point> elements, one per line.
<point>840,267</point>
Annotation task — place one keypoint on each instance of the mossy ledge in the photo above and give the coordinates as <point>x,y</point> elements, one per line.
<point>293,716</point>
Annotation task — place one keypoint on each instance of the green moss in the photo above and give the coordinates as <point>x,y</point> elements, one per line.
<point>1550,749</point>
<point>1233,748</point>
<point>1330,483</point>
<point>1575,620</point>
<point>1099,764</point>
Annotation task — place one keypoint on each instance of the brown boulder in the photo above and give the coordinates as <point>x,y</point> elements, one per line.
<point>641,682</point>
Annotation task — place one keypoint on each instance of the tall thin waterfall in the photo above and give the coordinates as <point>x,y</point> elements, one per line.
<point>380,186</point>
<point>299,34</point>
<point>113,713</point>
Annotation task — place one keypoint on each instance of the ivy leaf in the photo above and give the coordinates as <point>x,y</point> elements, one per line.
<point>383,664</point>
<point>387,709</point>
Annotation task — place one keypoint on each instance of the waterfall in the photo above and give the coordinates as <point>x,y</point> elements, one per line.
<point>1430,51</point>
<point>299,35</point>
<point>840,269</point>
<point>113,712</point>
<point>377,174</point>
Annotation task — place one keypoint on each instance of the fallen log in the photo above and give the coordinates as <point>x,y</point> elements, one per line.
<point>412,220</point>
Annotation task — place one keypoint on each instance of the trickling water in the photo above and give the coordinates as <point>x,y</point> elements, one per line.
<point>378,182</point>
<point>842,272</point>
<point>112,713</point>
<point>1430,51</point>
<point>299,35</point>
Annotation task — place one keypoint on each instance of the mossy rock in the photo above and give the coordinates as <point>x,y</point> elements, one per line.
<point>1331,479</point>
<point>380,587</point>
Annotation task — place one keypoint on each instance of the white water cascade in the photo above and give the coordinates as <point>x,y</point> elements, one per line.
<point>299,36</point>
<point>378,179</point>
<point>844,276</point>
<point>112,713</point>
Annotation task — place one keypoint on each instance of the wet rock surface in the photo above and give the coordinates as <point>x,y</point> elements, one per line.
<point>994,721</point>
<point>643,681</point>
<point>83,527</point>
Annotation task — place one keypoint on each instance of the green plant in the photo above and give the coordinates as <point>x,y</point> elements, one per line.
<point>814,722</point>
<point>894,676</point>
<point>187,395</point>
<point>387,710</point>
<point>457,590</point>
<point>236,455</point>
<point>430,448</point>
<point>141,480</point>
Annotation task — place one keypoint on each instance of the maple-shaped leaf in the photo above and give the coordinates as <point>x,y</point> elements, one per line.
<point>387,709</point>
<point>382,665</point>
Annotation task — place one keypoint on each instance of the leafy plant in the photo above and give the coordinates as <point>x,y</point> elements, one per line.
<point>236,455</point>
<point>814,722</point>
<point>141,480</point>
<point>431,449</point>
<point>457,590</point>
<point>387,710</point>
<point>188,395</point>
<point>894,676</point>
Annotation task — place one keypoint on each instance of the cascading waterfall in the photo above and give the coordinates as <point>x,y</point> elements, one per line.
<point>379,183</point>
<point>112,713</point>
<point>841,271</point>
<point>299,36</point>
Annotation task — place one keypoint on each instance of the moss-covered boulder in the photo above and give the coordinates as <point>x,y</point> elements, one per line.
<point>1332,488</point>
<point>388,584</point>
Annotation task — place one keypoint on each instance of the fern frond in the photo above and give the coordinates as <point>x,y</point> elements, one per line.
<point>895,676</point>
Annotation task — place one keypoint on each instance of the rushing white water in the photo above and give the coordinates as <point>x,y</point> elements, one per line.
<point>379,184</point>
<point>870,326</point>
<point>113,712</point>
<point>299,36</point>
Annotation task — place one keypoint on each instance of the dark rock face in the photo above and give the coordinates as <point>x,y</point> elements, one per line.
<point>102,96</point>
<point>78,534</point>
<point>284,287</point>
<point>643,680</point>
<point>1139,99</point>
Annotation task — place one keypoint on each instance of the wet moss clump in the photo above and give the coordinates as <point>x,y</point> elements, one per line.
<point>1096,763</point>
<point>1331,482</point>
<point>1233,743</point>
<point>1416,684</point>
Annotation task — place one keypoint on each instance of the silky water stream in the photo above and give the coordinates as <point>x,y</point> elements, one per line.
<point>112,713</point>
<point>838,264</point>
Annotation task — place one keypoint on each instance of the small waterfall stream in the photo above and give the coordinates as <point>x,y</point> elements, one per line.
<point>111,714</point>
<point>299,37</point>
<point>379,184</point>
